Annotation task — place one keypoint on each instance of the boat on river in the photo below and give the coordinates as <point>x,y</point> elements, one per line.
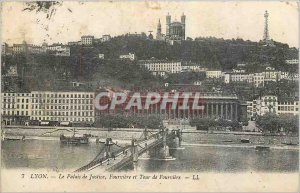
<point>289,143</point>
<point>262,147</point>
<point>4,137</point>
<point>74,138</point>
<point>243,140</point>
<point>14,138</point>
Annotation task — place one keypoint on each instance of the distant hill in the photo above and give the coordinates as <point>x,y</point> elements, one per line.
<point>84,65</point>
<point>208,52</point>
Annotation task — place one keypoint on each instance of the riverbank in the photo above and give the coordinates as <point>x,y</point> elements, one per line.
<point>125,135</point>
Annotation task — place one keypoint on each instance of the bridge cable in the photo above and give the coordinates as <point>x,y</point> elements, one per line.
<point>141,146</point>
<point>118,145</point>
<point>98,154</point>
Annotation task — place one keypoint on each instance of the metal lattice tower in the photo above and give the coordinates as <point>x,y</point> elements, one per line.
<point>266,31</point>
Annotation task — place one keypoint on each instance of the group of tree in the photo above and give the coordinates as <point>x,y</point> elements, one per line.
<point>185,77</point>
<point>215,124</point>
<point>272,123</point>
<point>121,120</point>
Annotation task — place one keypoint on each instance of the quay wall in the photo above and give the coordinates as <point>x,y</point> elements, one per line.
<point>126,134</point>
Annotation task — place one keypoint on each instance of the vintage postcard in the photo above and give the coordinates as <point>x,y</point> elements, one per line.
<point>149,96</point>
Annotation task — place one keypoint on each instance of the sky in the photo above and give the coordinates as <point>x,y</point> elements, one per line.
<point>71,20</point>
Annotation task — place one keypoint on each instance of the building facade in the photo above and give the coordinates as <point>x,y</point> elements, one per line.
<point>193,68</point>
<point>213,74</point>
<point>270,104</point>
<point>87,40</point>
<point>48,106</point>
<point>288,107</point>
<point>250,109</point>
<point>16,108</point>
<point>105,38</point>
<point>4,48</point>
<point>59,50</point>
<point>129,56</point>
<point>267,104</point>
<point>292,61</point>
<point>19,48</point>
<point>241,77</point>
<point>214,105</point>
<point>162,66</point>
<point>63,106</point>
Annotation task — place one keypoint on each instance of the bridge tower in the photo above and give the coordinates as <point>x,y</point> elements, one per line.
<point>107,152</point>
<point>178,138</point>
<point>134,150</point>
<point>166,152</point>
<point>145,132</point>
<point>134,153</point>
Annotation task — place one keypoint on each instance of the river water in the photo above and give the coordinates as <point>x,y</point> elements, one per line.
<point>196,156</point>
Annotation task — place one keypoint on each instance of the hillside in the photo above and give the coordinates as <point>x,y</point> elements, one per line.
<point>46,72</point>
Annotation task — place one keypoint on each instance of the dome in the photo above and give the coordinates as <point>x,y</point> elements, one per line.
<point>176,23</point>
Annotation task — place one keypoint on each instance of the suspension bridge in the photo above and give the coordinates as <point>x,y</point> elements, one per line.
<point>158,142</point>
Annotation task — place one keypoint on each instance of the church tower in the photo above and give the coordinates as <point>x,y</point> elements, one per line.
<point>158,32</point>
<point>168,23</point>
<point>183,26</point>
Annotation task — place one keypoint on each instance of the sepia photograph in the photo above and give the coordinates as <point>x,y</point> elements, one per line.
<point>149,96</point>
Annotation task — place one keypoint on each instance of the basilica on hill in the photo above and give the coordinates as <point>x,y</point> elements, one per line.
<point>175,31</point>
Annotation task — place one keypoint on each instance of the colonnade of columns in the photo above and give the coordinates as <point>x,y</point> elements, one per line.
<point>211,109</point>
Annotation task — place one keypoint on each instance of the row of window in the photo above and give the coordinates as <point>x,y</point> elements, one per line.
<point>63,95</point>
<point>164,64</point>
<point>26,113</point>
<point>51,95</point>
<point>23,113</point>
<point>18,100</point>
<point>79,101</point>
<point>287,103</point>
<point>62,119</point>
<point>55,113</point>
<point>8,106</point>
<point>40,107</point>
<point>287,108</point>
<point>16,94</point>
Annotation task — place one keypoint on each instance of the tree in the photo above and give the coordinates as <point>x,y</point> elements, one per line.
<point>290,123</point>
<point>272,123</point>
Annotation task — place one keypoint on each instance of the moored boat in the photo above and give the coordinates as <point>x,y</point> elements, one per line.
<point>262,147</point>
<point>245,140</point>
<point>289,143</point>
<point>74,139</point>
<point>14,138</point>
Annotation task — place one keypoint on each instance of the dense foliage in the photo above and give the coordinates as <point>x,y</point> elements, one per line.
<point>209,123</point>
<point>272,123</point>
<point>207,52</point>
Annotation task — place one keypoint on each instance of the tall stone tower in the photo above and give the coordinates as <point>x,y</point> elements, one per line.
<point>158,32</point>
<point>266,30</point>
<point>168,23</point>
<point>183,26</point>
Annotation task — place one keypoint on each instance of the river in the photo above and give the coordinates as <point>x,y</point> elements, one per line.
<point>197,155</point>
